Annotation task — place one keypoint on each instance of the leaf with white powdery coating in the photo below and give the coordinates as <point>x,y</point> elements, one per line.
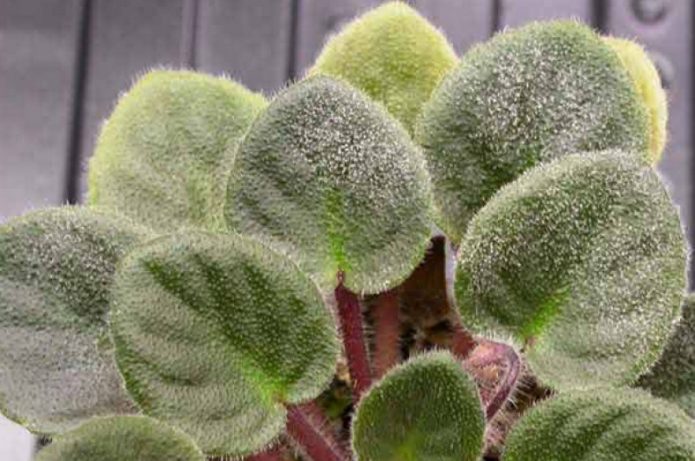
<point>391,53</point>
<point>56,360</point>
<point>602,425</point>
<point>164,155</point>
<point>583,259</point>
<point>216,333</point>
<point>122,438</point>
<point>524,97</point>
<point>427,409</point>
<point>328,177</point>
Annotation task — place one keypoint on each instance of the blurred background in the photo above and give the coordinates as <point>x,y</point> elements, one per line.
<point>64,62</point>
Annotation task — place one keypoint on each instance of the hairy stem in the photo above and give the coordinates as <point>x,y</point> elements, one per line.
<point>352,330</point>
<point>307,428</point>
<point>494,353</point>
<point>387,332</point>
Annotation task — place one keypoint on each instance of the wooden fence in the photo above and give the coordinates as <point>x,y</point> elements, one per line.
<point>64,62</point>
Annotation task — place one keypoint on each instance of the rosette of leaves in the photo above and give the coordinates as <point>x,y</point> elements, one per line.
<point>216,320</point>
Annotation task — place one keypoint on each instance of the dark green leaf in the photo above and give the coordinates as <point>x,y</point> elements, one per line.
<point>215,333</point>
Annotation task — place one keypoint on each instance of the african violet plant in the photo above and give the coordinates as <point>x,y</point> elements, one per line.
<point>247,279</point>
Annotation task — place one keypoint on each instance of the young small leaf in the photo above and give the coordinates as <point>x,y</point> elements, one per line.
<point>648,84</point>
<point>56,360</point>
<point>524,97</point>
<point>673,376</point>
<point>391,53</point>
<point>164,155</point>
<point>215,333</point>
<point>602,425</point>
<point>122,438</point>
<point>427,409</point>
<point>583,259</point>
<point>325,175</point>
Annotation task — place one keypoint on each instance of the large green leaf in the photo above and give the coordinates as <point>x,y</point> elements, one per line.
<point>584,260</point>
<point>325,175</point>
<point>427,409</point>
<point>673,376</point>
<point>526,96</point>
<point>122,438</point>
<point>602,425</point>
<point>56,360</point>
<point>164,155</point>
<point>391,53</point>
<point>215,333</point>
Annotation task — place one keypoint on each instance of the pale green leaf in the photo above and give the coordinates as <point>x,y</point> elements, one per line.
<point>164,156</point>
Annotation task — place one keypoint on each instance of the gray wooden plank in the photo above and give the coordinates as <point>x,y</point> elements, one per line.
<point>667,34</point>
<point>465,23</point>
<point>38,39</point>
<point>250,40</point>
<point>514,13</point>
<point>317,20</point>
<point>127,37</point>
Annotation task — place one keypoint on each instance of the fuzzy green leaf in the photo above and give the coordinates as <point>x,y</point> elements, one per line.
<point>584,259</point>
<point>391,53</point>
<point>673,376</point>
<point>427,409</point>
<point>602,425</point>
<point>325,175</point>
<point>122,438</point>
<point>524,97</point>
<point>164,155</point>
<point>648,84</point>
<point>214,333</point>
<point>56,359</point>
